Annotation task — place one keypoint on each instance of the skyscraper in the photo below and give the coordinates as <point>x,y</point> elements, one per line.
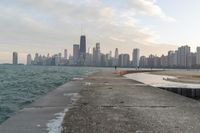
<point>136,57</point>
<point>59,58</point>
<point>29,59</point>
<point>36,59</point>
<point>65,54</point>
<point>170,60</point>
<point>198,56</point>
<point>183,56</point>
<point>115,63</point>
<point>76,52</point>
<point>116,53</point>
<point>88,59</point>
<point>96,55</point>
<point>83,47</point>
<point>15,58</point>
<point>124,60</point>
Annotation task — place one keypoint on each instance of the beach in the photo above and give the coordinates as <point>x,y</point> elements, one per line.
<point>184,76</point>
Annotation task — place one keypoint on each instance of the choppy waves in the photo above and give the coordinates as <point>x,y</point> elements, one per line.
<point>21,85</point>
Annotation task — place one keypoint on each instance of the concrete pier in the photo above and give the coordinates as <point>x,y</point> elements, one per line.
<point>111,103</point>
<point>35,117</point>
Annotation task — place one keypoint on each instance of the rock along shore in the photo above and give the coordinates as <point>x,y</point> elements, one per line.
<point>110,103</point>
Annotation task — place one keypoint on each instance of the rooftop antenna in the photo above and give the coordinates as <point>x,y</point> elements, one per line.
<point>82,30</point>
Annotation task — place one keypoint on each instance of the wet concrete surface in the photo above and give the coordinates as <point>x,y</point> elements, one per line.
<point>34,118</point>
<point>110,103</point>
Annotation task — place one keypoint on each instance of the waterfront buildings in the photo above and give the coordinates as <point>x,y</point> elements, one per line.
<point>76,53</point>
<point>15,58</point>
<point>124,60</point>
<point>198,56</point>
<point>116,58</point>
<point>136,57</point>
<point>82,55</point>
<point>29,59</point>
<point>97,55</point>
<point>180,58</point>
<point>183,56</point>
<point>65,54</point>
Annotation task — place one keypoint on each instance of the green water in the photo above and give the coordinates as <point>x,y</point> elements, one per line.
<point>21,85</point>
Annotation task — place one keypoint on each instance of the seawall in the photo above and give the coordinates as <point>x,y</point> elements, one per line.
<point>188,92</point>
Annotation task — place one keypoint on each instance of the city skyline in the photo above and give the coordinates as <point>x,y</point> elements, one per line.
<point>66,55</point>
<point>182,57</point>
<point>49,26</point>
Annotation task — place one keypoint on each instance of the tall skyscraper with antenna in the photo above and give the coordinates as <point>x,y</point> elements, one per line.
<point>82,48</point>
<point>83,44</point>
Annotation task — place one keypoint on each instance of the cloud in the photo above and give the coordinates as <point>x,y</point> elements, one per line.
<point>149,7</point>
<point>44,26</point>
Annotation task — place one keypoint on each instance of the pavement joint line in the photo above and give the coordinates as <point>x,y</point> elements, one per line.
<point>114,106</point>
<point>41,107</point>
<point>127,106</point>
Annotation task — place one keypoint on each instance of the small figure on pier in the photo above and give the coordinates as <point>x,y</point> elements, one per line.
<point>115,68</point>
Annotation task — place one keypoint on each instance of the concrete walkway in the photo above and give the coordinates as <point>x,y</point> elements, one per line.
<point>111,103</point>
<point>35,117</point>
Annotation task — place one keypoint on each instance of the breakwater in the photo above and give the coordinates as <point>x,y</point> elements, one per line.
<point>188,92</point>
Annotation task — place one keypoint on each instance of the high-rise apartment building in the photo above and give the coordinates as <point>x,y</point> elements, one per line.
<point>97,55</point>
<point>76,53</point>
<point>88,59</point>
<point>65,54</point>
<point>136,57</point>
<point>170,59</point>
<point>198,56</point>
<point>124,60</point>
<point>184,56</point>
<point>29,59</point>
<point>15,58</point>
<point>143,62</point>
<point>115,62</point>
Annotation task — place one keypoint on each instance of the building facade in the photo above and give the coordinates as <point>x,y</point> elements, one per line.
<point>136,57</point>
<point>29,60</point>
<point>15,58</point>
<point>76,53</point>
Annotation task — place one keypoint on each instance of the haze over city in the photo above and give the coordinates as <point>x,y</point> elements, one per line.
<point>49,26</point>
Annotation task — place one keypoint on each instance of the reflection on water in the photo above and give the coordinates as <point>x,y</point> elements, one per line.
<point>159,80</point>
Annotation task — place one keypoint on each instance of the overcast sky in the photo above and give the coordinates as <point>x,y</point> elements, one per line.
<point>50,26</point>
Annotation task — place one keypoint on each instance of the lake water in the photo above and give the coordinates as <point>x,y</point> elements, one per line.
<point>21,85</point>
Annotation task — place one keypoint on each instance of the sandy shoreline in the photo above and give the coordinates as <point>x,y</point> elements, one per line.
<point>183,76</point>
